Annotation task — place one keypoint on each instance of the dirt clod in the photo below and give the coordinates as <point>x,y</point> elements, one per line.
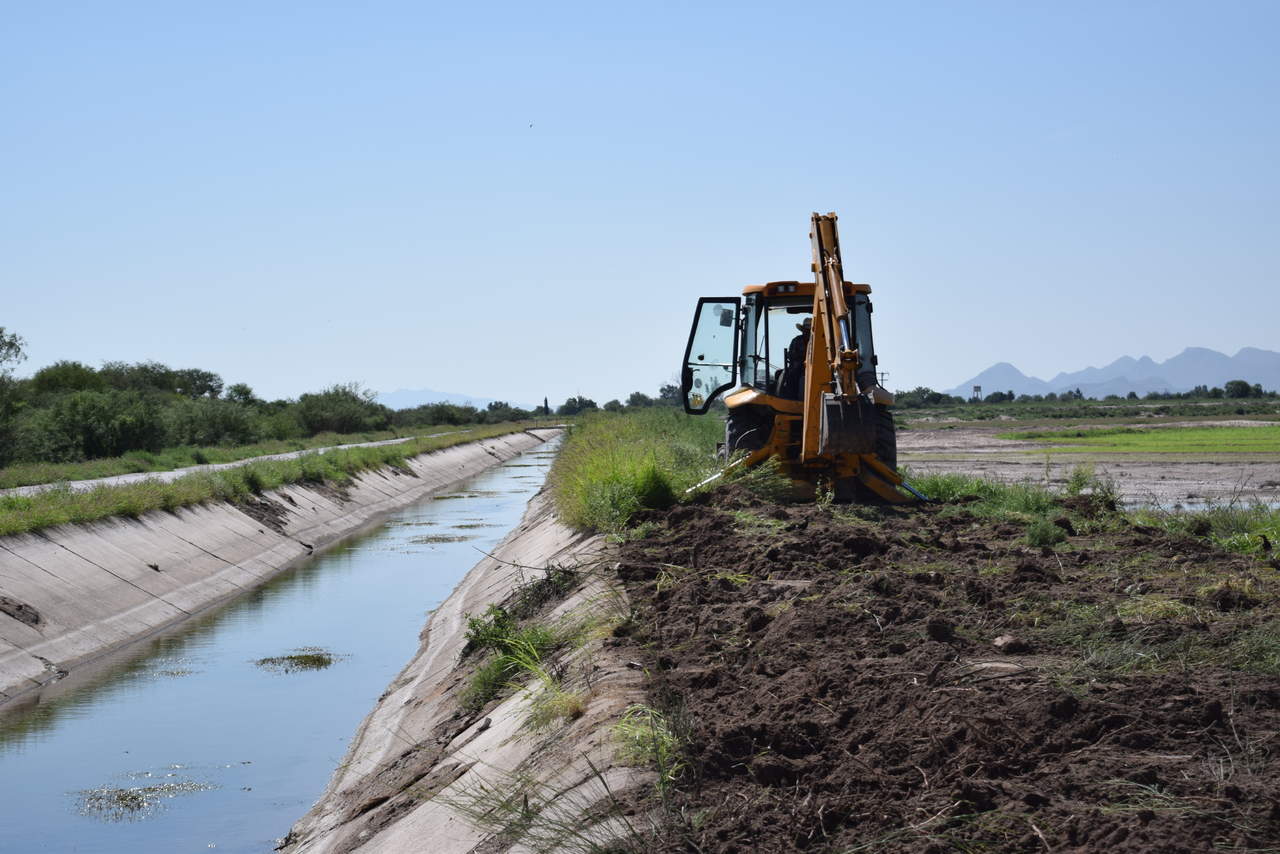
<point>1010,644</point>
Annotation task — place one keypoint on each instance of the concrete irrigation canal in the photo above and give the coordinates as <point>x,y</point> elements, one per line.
<point>218,731</point>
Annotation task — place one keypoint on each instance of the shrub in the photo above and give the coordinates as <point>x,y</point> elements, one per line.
<point>1042,533</point>
<point>89,424</point>
<point>207,421</point>
<point>341,409</point>
<point>283,424</point>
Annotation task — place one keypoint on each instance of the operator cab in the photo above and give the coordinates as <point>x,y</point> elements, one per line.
<point>749,338</point>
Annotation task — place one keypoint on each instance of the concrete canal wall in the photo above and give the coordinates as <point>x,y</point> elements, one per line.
<point>424,773</point>
<point>71,594</point>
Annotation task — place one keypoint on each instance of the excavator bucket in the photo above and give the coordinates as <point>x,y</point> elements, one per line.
<point>846,426</point>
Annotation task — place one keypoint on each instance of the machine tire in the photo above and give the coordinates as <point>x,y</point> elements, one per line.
<point>886,438</point>
<point>747,429</point>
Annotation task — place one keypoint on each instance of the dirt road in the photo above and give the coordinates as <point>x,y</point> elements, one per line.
<point>1166,480</point>
<point>174,474</point>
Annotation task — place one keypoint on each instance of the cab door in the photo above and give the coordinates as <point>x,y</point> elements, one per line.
<point>710,359</point>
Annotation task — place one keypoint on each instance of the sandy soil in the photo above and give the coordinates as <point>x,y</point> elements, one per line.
<point>1163,479</point>
<point>923,680</point>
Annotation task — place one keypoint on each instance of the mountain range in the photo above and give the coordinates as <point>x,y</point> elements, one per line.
<point>1192,367</point>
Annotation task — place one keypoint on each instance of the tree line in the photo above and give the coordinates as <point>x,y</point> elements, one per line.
<point>69,411</point>
<point>923,397</point>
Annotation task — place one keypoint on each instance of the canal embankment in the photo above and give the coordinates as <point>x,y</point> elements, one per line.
<point>433,768</point>
<point>70,594</point>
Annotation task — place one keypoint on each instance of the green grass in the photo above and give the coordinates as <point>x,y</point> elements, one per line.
<point>1233,525</point>
<point>645,738</point>
<point>61,506</point>
<point>612,465</point>
<point>134,462</point>
<point>1093,409</point>
<point>989,498</point>
<point>513,649</point>
<point>1042,533</point>
<point>1161,440</point>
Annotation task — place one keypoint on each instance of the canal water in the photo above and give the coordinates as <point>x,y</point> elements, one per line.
<point>192,742</point>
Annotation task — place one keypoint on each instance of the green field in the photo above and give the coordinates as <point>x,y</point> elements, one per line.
<point>1158,440</point>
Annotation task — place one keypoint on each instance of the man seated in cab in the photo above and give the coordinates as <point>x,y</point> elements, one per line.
<point>793,371</point>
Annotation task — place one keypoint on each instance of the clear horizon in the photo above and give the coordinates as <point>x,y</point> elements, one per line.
<point>514,202</point>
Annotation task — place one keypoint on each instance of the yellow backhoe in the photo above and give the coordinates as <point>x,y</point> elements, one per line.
<point>799,366</point>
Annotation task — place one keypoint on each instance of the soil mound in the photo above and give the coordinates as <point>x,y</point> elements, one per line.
<point>893,680</point>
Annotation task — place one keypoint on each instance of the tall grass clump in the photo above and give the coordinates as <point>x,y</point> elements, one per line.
<point>614,464</point>
<point>1243,527</point>
<point>513,650</point>
<point>1026,501</point>
<point>645,738</point>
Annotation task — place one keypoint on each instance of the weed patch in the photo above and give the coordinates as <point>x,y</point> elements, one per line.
<point>646,739</point>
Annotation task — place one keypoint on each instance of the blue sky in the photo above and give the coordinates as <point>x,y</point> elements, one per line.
<point>300,194</point>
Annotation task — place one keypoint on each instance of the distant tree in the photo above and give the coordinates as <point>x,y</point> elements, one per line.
<point>1240,388</point>
<point>344,408</point>
<point>499,411</point>
<point>613,406</point>
<point>576,405</point>
<point>670,395</point>
<point>1216,393</point>
<point>242,393</point>
<point>66,376</point>
<point>637,398</point>
<point>193,382</point>
<point>546,407</point>
<point>435,413</point>
<point>11,353</point>
<point>922,396</point>
<point>1132,395</point>
<point>209,421</point>
<point>90,424</point>
<point>998,397</point>
<point>139,376</point>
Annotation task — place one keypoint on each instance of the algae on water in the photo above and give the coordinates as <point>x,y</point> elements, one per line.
<point>303,658</point>
<point>134,803</point>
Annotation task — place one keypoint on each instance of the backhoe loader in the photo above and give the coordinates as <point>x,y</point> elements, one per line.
<point>799,366</point>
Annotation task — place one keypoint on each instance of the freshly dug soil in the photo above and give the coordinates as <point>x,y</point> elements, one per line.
<point>922,679</point>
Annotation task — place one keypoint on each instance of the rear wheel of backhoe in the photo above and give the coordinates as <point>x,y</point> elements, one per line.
<point>886,438</point>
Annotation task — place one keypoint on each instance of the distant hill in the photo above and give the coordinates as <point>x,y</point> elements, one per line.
<point>1192,367</point>
<point>407,398</point>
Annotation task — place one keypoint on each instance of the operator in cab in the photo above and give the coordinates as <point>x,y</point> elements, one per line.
<point>793,371</point>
